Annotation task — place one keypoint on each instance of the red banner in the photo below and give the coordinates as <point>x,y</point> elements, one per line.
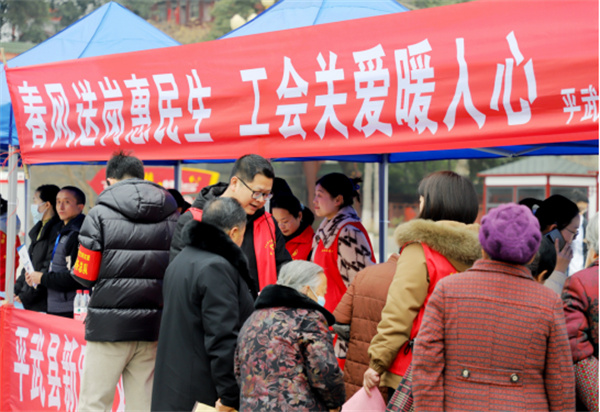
<point>477,74</point>
<point>192,180</point>
<point>42,359</point>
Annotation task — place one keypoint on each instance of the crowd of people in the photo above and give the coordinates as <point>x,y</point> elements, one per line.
<point>236,302</point>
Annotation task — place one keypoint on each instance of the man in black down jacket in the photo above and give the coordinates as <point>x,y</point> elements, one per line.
<point>123,253</point>
<point>207,299</point>
<point>250,184</point>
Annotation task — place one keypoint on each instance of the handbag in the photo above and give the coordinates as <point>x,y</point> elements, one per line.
<point>402,399</point>
<point>586,382</point>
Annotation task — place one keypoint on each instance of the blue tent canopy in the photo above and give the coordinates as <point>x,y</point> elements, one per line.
<point>290,14</point>
<point>110,29</point>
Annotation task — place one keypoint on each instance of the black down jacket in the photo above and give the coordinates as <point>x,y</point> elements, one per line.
<point>282,256</point>
<point>40,253</point>
<point>131,225</point>
<point>207,300</point>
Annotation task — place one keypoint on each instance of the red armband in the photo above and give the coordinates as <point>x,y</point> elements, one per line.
<point>88,264</point>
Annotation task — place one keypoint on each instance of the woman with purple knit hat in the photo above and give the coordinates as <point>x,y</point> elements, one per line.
<point>492,337</point>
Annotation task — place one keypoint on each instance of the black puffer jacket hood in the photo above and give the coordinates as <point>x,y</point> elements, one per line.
<point>147,202</point>
<point>208,193</point>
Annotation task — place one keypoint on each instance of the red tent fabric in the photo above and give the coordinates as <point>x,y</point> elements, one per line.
<point>479,74</point>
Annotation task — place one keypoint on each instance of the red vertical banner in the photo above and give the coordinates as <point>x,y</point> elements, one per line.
<point>42,360</point>
<point>478,74</point>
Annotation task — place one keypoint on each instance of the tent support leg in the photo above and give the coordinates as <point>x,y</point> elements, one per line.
<point>383,207</point>
<point>177,170</point>
<point>11,230</point>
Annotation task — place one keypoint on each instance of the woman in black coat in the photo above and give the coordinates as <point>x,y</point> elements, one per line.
<point>42,238</point>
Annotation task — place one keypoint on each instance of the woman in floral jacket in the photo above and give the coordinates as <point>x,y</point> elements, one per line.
<point>580,299</point>
<point>284,359</point>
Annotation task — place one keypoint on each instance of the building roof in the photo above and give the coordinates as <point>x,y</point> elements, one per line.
<point>540,165</point>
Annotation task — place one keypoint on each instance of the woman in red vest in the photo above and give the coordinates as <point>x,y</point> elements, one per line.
<point>441,241</point>
<point>341,245</point>
<point>294,221</point>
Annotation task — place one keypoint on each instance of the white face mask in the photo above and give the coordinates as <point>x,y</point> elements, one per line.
<point>320,299</point>
<point>35,213</point>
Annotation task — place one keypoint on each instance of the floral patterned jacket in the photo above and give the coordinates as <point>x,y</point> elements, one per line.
<point>284,358</point>
<point>580,298</point>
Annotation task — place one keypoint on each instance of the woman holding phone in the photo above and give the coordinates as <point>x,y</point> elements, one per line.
<point>559,222</point>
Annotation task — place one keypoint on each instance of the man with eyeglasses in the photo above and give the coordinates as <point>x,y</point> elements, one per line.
<point>250,184</point>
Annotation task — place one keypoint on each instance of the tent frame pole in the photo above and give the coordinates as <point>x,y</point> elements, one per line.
<point>383,206</point>
<point>11,229</point>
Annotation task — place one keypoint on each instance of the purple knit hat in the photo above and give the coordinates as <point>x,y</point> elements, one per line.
<point>510,233</point>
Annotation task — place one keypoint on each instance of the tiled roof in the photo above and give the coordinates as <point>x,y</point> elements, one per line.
<point>539,165</point>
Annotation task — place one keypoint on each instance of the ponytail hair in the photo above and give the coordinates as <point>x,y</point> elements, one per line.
<point>339,184</point>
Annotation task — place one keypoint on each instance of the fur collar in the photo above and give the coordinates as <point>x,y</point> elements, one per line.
<point>328,229</point>
<point>274,296</point>
<point>213,240</point>
<point>455,240</point>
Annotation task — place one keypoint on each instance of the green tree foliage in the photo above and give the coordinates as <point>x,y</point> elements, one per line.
<point>424,4</point>
<point>27,19</point>
<point>69,11</point>
<point>224,10</point>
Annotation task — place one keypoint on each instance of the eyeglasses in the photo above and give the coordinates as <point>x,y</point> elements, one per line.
<point>575,233</point>
<point>256,195</point>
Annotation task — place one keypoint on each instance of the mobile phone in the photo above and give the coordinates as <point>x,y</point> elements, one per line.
<point>555,234</point>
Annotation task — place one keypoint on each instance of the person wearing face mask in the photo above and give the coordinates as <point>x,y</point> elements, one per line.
<point>559,220</point>
<point>284,356</point>
<point>42,237</point>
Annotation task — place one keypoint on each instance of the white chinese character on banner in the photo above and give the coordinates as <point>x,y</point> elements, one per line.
<point>80,360</point>
<point>197,92</point>
<point>522,117</point>
<point>53,375</point>
<point>254,128</point>
<point>37,379</point>
<point>570,100</point>
<point>166,95</point>
<point>60,113</point>
<point>86,114</point>
<point>462,91</point>
<point>589,96</point>
<point>32,107</point>
<point>330,99</point>
<point>371,72</point>
<point>414,94</point>
<point>70,374</point>
<point>20,366</point>
<point>140,110</point>
<point>291,122</point>
<point>112,114</point>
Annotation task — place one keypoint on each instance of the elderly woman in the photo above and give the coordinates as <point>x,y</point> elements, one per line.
<point>284,359</point>
<point>493,338</point>
<point>580,298</point>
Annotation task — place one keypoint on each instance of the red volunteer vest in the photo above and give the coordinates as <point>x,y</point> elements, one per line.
<point>300,246</point>
<point>327,259</point>
<point>264,247</point>
<point>3,244</point>
<point>438,268</point>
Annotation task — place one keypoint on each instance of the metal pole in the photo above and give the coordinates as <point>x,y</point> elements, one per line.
<point>11,224</point>
<point>177,171</point>
<point>383,206</point>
